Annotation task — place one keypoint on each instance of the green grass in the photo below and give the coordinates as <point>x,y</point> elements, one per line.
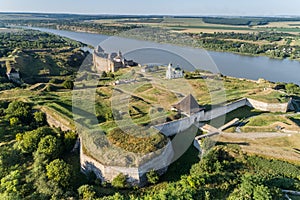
<point>270,97</point>
<point>281,29</point>
<point>137,140</point>
<point>144,88</point>
<point>241,113</point>
<point>214,27</point>
<point>265,120</point>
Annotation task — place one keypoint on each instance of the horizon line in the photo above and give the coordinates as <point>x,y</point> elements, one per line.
<point>159,15</point>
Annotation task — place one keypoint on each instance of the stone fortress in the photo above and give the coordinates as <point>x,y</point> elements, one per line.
<point>194,114</point>
<point>158,161</point>
<point>110,62</point>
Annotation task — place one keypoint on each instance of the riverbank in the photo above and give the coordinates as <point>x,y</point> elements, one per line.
<point>229,64</point>
<point>174,41</point>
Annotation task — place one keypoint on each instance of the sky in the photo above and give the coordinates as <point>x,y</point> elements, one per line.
<point>164,7</point>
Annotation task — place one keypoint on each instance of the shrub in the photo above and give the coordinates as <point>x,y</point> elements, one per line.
<point>40,118</point>
<point>14,121</point>
<point>20,110</point>
<point>86,192</point>
<point>119,181</point>
<point>60,172</point>
<point>50,88</point>
<point>152,177</point>
<point>50,146</point>
<point>69,140</point>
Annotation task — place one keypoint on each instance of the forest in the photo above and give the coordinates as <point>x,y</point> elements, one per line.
<point>39,162</point>
<point>249,21</point>
<point>38,57</point>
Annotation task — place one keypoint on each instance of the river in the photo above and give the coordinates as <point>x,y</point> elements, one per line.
<point>229,64</point>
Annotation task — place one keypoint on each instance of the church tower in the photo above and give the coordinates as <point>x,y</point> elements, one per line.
<point>169,71</point>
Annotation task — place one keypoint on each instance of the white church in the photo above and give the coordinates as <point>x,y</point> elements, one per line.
<point>173,73</point>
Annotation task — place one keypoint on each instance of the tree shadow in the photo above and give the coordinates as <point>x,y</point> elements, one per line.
<point>182,166</point>
<point>238,143</point>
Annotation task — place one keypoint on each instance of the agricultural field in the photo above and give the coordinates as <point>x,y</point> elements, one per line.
<point>283,146</point>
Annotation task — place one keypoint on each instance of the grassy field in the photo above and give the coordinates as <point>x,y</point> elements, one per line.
<point>196,25</point>
<point>284,148</point>
<point>286,24</point>
<point>241,113</point>
<point>267,122</point>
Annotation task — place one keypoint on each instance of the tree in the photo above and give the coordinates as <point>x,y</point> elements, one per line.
<point>14,121</point>
<point>20,110</point>
<point>207,144</point>
<point>86,192</point>
<point>251,188</point>
<point>28,142</point>
<point>70,138</point>
<point>119,181</point>
<point>50,146</point>
<point>10,185</point>
<point>292,88</point>
<point>116,196</point>
<point>40,118</point>
<point>59,171</point>
<point>261,193</point>
<point>152,177</point>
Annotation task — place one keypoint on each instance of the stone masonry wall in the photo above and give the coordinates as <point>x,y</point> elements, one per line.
<point>222,110</point>
<point>270,107</point>
<point>136,175</point>
<point>57,122</point>
<point>174,127</point>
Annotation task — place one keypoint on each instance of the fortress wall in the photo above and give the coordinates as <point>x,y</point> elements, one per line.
<point>159,162</point>
<point>197,145</point>
<point>271,107</point>
<point>102,64</point>
<point>174,127</point>
<point>222,110</point>
<point>135,175</point>
<point>107,173</point>
<point>57,122</point>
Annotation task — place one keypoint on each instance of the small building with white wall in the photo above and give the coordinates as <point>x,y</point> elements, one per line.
<point>173,73</point>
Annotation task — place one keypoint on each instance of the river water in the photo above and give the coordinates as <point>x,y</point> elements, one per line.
<point>229,64</point>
